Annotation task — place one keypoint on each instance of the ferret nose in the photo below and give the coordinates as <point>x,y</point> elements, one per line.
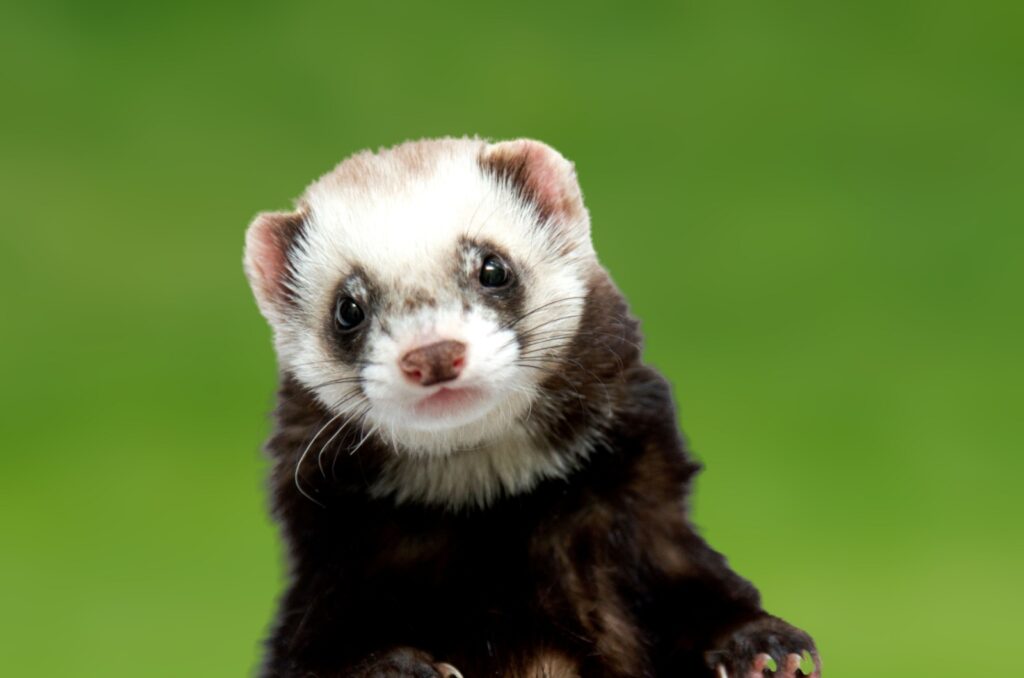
<point>434,363</point>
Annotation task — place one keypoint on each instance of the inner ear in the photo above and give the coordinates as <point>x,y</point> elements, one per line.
<point>270,237</point>
<point>539,174</point>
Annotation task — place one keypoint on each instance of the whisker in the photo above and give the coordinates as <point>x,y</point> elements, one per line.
<point>320,455</point>
<point>298,464</point>
<point>358,417</point>
<point>336,382</point>
<point>526,334</point>
<point>486,221</point>
<point>476,211</point>
<point>519,319</point>
<point>313,362</point>
<point>568,316</point>
<point>365,438</point>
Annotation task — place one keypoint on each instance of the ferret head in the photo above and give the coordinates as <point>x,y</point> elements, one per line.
<point>427,291</point>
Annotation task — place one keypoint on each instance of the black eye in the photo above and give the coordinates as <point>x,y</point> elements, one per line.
<point>494,272</point>
<point>347,314</point>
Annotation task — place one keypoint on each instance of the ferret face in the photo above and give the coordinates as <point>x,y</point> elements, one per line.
<point>425,292</point>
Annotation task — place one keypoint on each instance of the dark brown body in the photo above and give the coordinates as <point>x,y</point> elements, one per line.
<point>598,574</point>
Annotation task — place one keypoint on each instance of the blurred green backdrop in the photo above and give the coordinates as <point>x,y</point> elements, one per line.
<point>815,208</point>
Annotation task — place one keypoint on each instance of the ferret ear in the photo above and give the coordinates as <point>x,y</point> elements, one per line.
<point>541,176</point>
<point>266,259</point>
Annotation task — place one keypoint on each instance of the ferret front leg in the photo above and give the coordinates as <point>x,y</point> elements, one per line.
<point>325,630</point>
<point>397,662</point>
<point>764,643</point>
<point>713,620</point>
<point>402,662</point>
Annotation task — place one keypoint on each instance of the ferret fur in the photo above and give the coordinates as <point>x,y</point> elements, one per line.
<point>540,529</point>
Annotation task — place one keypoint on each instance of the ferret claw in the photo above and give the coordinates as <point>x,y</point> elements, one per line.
<point>789,668</point>
<point>761,662</point>
<point>448,671</point>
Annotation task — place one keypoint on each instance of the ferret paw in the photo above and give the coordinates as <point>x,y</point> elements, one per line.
<point>404,662</point>
<point>766,646</point>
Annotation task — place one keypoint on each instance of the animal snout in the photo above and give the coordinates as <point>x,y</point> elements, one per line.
<point>434,363</point>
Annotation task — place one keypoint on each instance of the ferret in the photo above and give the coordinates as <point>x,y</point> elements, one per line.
<point>473,469</point>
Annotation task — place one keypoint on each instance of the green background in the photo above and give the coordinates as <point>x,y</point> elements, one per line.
<point>816,209</point>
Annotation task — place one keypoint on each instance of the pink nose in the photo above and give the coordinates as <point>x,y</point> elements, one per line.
<point>434,363</point>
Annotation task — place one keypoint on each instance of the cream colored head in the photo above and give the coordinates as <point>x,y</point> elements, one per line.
<point>428,289</point>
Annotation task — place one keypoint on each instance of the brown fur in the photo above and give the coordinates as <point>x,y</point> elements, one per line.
<point>597,575</point>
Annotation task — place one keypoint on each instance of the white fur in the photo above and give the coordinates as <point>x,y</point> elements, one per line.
<point>477,476</point>
<point>403,226</point>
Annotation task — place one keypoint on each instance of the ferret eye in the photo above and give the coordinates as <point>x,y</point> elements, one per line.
<point>347,314</point>
<point>494,272</point>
